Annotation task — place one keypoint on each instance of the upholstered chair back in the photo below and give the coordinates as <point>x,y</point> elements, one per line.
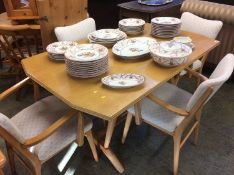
<point>10,127</point>
<point>196,24</point>
<point>75,32</point>
<point>220,75</point>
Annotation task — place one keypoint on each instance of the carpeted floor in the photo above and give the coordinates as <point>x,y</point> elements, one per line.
<point>147,151</point>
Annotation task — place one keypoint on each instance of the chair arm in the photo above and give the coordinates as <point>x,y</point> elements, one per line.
<point>49,131</point>
<point>2,160</point>
<point>13,88</point>
<point>168,106</point>
<point>196,74</point>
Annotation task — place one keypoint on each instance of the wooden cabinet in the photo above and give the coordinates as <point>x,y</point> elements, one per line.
<point>21,9</point>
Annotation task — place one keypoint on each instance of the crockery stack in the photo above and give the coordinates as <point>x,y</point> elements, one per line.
<point>56,50</point>
<point>170,53</point>
<point>86,60</point>
<point>132,26</point>
<point>106,37</point>
<point>165,27</point>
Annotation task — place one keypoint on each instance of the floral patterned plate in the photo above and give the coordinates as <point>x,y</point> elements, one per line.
<point>133,48</point>
<point>86,52</point>
<point>60,47</point>
<point>131,22</point>
<point>166,21</point>
<point>122,80</point>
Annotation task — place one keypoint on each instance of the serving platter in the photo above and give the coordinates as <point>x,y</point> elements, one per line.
<point>133,48</point>
<point>123,80</point>
<point>154,2</point>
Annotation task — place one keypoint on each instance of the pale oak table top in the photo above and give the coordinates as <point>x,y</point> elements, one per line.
<point>90,96</point>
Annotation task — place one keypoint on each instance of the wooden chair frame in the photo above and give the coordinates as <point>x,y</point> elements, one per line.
<point>14,54</point>
<point>2,162</point>
<point>17,149</point>
<point>194,115</point>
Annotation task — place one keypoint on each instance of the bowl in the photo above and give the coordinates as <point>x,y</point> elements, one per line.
<point>170,53</point>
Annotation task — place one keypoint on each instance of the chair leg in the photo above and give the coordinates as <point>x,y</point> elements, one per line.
<point>11,158</point>
<point>126,127</point>
<point>196,130</point>
<point>89,136</point>
<point>37,170</point>
<point>177,140</point>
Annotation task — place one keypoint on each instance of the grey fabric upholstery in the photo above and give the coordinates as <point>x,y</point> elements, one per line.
<point>159,116</point>
<point>34,119</point>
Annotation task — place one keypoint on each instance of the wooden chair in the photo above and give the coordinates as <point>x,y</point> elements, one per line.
<point>208,28</point>
<point>19,42</point>
<point>172,110</point>
<point>75,32</point>
<point>2,162</point>
<point>42,130</point>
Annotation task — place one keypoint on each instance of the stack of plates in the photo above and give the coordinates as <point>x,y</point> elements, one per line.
<point>165,27</point>
<point>107,37</point>
<point>170,53</point>
<point>87,60</point>
<point>56,50</point>
<point>132,26</point>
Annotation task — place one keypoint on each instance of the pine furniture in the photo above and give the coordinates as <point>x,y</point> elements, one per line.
<point>173,110</point>
<point>90,96</point>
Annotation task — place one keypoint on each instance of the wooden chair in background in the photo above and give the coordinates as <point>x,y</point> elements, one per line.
<point>2,162</point>
<point>19,42</point>
<point>171,109</point>
<point>42,130</point>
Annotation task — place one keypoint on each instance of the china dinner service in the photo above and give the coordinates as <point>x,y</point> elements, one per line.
<point>86,60</point>
<point>170,53</point>
<point>56,50</point>
<point>133,48</point>
<point>106,37</point>
<point>132,26</point>
<point>123,80</point>
<point>165,27</point>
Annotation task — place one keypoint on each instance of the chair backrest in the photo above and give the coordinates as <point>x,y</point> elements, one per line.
<point>220,75</point>
<point>19,41</point>
<point>10,128</point>
<point>77,31</point>
<point>196,24</point>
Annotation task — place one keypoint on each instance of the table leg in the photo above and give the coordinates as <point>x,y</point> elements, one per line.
<point>36,89</point>
<point>108,152</point>
<point>80,130</point>
<point>109,132</point>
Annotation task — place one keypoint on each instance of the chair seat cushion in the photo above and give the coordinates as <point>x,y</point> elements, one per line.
<point>160,117</point>
<point>196,64</point>
<point>38,117</point>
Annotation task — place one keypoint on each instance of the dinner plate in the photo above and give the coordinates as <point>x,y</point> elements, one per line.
<point>60,47</point>
<point>132,22</point>
<point>166,21</point>
<point>123,80</point>
<point>86,52</point>
<point>133,48</point>
<point>107,34</point>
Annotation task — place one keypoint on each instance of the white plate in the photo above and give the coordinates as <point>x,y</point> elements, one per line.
<point>86,52</point>
<point>60,47</point>
<point>166,20</point>
<point>132,22</point>
<point>121,81</point>
<point>133,48</point>
<point>107,34</point>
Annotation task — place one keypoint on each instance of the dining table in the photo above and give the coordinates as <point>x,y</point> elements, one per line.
<point>92,97</point>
